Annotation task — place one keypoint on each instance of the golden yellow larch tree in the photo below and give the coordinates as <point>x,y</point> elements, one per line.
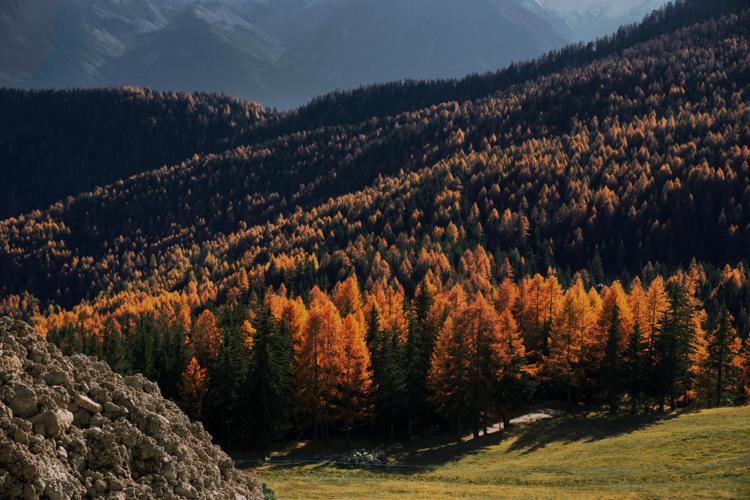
<point>657,303</point>
<point>615,296</point>
<point>347,296</point>
<point>194,387</point>
<point>320,362</point>
<point>511,371</point>
<point>529,307</point>
<point>471,353</point>
<point>505,295</point>
<point>574,324</point>
<point>206,338</point>
<point>354,373</point>
<point>389,302</point>
<point>638,302</point>
<point>476,266</point>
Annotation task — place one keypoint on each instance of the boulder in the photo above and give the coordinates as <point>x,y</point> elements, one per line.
<point>24,402</point>
<point>87,404</point>
<point>52,423</point>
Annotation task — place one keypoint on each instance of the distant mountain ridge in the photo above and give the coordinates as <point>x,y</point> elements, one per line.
<point>589,19</point>
<point>277,52</point>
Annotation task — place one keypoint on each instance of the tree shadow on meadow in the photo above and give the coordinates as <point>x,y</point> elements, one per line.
<point>574,428</point>
<point>434,450</point>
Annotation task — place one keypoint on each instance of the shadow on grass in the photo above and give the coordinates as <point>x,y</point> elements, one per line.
<point>433,451</point>
<point>569,429</point>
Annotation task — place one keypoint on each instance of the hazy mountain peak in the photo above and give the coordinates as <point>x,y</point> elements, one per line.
<point>279,52</point>
<point>589,19</point>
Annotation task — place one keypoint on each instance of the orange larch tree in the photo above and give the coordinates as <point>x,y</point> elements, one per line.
<point>354,376</point>
<point>206,338</point>
<point>512,376</point>
<point>194,387</point>
<point>320,363</point>
<point>563,367</point>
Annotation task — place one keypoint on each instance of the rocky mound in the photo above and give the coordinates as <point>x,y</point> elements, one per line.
<point>72,428</point>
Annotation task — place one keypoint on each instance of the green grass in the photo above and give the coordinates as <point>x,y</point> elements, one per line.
<point>700,454</point>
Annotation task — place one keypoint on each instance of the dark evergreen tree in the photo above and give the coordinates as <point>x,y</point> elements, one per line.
<point>172,358</point>
<point>419,345</point>
<point>674,344</point>
<point>114,349</point>
<point>141,347</point>
<point>723,349</point>
<point>389,377</point>
<point>611,363</point>
<point>634,368</point>
<point>270,379</point>
<point>227,392</point>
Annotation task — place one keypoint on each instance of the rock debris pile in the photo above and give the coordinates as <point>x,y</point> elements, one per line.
<point>72,428</point>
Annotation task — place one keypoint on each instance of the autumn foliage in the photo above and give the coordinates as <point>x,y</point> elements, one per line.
<point>577,234</point>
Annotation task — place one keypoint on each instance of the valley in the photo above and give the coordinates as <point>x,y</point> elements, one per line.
<point>545,239</point>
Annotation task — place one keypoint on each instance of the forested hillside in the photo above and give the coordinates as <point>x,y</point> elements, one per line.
<point>350,106</point>
<point>581,235</point>
<point>59,143</point>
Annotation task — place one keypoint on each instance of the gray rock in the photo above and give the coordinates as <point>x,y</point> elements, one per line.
<point>53,423</point>
<point>88,404</point>
<point>24,402</point>
<point>57,377</point>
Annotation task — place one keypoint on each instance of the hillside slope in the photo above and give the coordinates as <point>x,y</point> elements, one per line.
<point>696,455</point>
<point>588,215</point>
<point>56,144</point>
<point>61,143</point>
<point>635,140</point>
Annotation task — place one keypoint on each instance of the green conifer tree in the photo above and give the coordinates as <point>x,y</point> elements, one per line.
<point>634,366</point>
<point>270,379</point>
<point>611,363</point>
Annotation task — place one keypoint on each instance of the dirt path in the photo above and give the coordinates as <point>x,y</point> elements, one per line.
<point>525,419</point>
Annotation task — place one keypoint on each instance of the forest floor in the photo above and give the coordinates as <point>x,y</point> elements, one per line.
<point>703,454</point>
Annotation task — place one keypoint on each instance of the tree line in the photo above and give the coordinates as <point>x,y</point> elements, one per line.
<point>464,355</point>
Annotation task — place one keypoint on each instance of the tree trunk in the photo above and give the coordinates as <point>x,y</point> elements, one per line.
<point>719,381</point>
<point>612,403</point>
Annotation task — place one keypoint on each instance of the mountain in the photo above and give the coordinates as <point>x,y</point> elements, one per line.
<point>50,152</point>
<point>208,50</point>
<point>570,228</point>
<point>280,53</point>
<point>232,195</point>
<point>370,41</point>
<point>589,19</point>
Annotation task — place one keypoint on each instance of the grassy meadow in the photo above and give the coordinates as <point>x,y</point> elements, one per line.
<point>703,454</point>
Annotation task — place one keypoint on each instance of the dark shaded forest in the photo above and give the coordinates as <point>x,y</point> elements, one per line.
<point>59,143</point>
